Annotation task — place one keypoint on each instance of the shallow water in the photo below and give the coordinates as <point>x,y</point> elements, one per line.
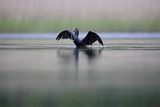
<point>63,76</point>
<point>36,71</point>
<point>104,35</point>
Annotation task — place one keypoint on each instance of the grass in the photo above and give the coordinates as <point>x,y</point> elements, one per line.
<point>39,25</point>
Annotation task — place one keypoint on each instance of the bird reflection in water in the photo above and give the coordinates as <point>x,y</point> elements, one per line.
<point>72,55</point>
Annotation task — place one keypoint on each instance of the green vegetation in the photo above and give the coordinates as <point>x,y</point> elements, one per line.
<point>39,25</point>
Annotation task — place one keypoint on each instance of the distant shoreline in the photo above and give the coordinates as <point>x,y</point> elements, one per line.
<point>84,25</point>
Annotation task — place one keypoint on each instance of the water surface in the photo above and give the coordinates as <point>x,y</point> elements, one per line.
<point>60,75</point>
<point>105,35</point>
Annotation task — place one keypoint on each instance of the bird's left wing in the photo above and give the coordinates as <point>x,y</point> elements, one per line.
<point>91,37</point>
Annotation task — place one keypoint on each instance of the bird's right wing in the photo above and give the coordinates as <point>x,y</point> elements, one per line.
<point>66,34</point>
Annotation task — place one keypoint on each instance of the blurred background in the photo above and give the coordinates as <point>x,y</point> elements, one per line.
<point>101,15</point>
<point>38,71</point>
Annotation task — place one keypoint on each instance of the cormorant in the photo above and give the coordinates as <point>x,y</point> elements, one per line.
<point>90,38</point>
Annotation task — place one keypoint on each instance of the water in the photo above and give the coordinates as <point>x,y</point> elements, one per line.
<point>105,35</point>
<point>122,73</point>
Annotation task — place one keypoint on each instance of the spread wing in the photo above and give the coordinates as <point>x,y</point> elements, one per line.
<point>66,34</point>
<point>91,37</point>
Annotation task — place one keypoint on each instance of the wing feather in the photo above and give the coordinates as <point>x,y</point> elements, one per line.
<point>91,37</point>
<point>66,34</point>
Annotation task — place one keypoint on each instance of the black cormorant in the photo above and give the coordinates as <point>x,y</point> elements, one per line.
<point>90,38</point>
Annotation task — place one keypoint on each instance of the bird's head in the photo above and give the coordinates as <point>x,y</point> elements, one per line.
<point>76,31</point>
